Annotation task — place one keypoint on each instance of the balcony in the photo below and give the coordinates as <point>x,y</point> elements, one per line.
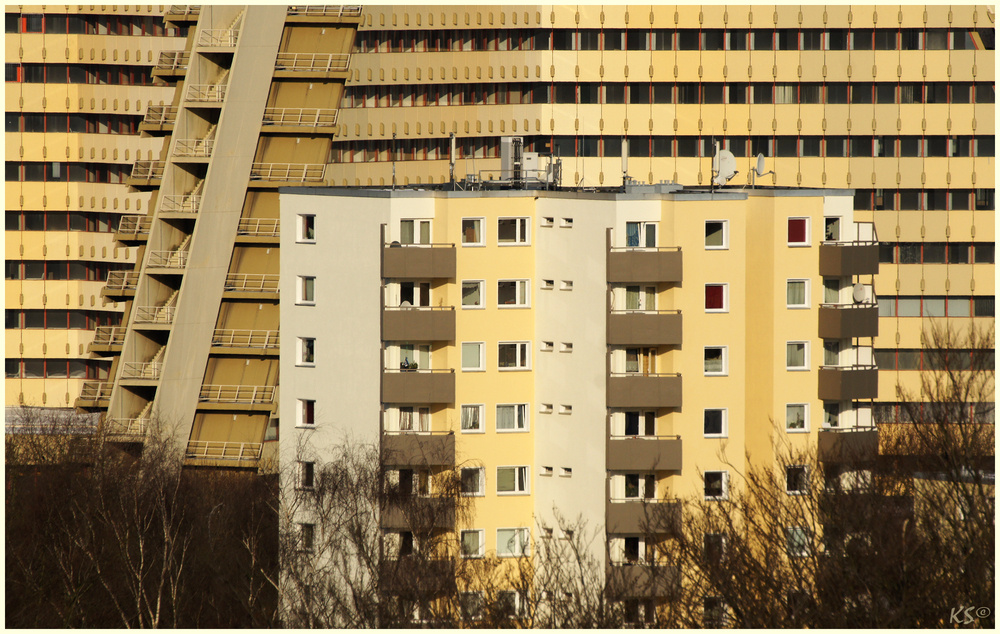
<point>636,265</point>
<point>413,577</point>
<point>238,454</point>
<point>206,93</point>
<point>218,38</point>
<point>120,284</point>
<point>848,444</point>
<point>251,286</point>
<point>143,371</point>
<point>848,383</point>
<point>418,513</point>
<point>174,260</point>
<point>95,394</point>
<point>311,65</point>
<point>194,148</point>
<point>418,387</point>
<point>236,397</point>
<point>418,323</point>
<point>637,390</point>
<point>284,174</point>
<point>107,340</point>
<point>841,321</point>
<point>159,119</point>
<point>160,315</point>
<point>133,229</point>
<point>172,64</point>
<point>259,230</point>
<point>644,453</point>
<point>325,11</point>
<point>647,517</point>
<point>840,259</point>
<point>245,342</point>
<point>146,174</point>
<point>426,261</point>
<point>298,119</point>
<point>641,580</point>
<point>182,13</point>
<point>126,429</point>
<point>644,328</point>
<point>418,449</point>
<point>180,204</point>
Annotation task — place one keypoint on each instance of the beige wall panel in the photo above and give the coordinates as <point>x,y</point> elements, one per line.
<point>249,371</point>
<point>909,280</point>
<point>910,170</point>
<point>293,94</point>
<point>261,204</point>
<point>255,259</point>
<point>51,146</point>
<point>103,97</point>
<point>984,279</point>
<point>281,149</point>
<point>243,315</point>
<point>229,428</point>
<point>313,39</point>
<point>985,118</point>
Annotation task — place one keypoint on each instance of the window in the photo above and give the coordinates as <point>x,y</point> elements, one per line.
<point>512,542</point>
<point>512,479</point>
<point>473,481</point>
<point>716,423</point>
<point>797,417</point>
<point>512,417</point>
<point>472,418</point>
<point>566,223</point>
<point>640,234</point>
<point>513,356</point>
<point>472,543</point>
<point>307,290</point>
<point>415,231</point>
<point>512,231</point>
<point>509,604</point>
<point>307,228</point>
<point>716,234</point>
<point>714,547</point>
<point>512,293</point>
<point>716,298</point>
<point>307,351</point>
<point>472,232</point>
<point>566,285</point>
<point>796,480</point>
<point>797,355</point>
<point>798,232</point>
<point>713,612</point>
<point>307,475</point>
<point>548,285</point>
<point>471,605</point>
<point>715,361</point>
<point>307,537</point>
<point>472,356</point>
<point>716,485</point>
<point>307,412</point>
<point>797,294</point>
<point>798,541</point>
<point>831,229</point>
<point>472,294</point>
<point>640,298</point>
<point>831,414</point>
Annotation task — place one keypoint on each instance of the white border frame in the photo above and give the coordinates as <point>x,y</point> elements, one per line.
<point>482,418</point>
<point>482,356</point>
<point>482,232</point>
<point>527,479</point>
<point>725,361</point>
<point>806,360</point>
<point>527,541</point>
<point>808,289</point>
<point>725,297</point>
<point>482,483</point>
<point>725,422</point>
<point>725,236</point>
<point>482,295</point>
<point>300,293</point>
<point>527,418</point>
<point>808,242</point>
<point>527,361</point>
<point>805,419</point>
<point>527,293</point>
<point>526,242</point>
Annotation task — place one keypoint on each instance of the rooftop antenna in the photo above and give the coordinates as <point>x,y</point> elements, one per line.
<point>451,161</point>
<point>624,160</point>
<point>394,160</point>
<point>723,166</point>
<point>758,171</point>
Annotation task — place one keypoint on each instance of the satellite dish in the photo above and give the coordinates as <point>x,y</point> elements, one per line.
<point>760,165</point>
<point>405,304</point>
<point>724,167</point>
<point>859,293</point>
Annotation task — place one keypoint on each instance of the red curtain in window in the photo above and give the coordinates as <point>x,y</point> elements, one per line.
<point>714,297</point>
<point>796,230</point>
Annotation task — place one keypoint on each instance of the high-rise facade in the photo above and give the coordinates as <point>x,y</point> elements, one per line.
<point>78,82</point>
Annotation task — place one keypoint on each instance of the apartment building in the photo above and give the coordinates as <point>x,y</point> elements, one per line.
<point>79,79</point>
<point>575,354</point>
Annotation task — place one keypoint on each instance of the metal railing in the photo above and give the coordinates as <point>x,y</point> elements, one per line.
<point>122,280</point>
<point>643,311</point>
<point>160,115</point>
<point>173,60</point>
<point>126,427</point>
<point>220,450</point>
<point>181,203</point>
<point>154,315</point>
<point>167,259</point>
<point>282,172</point>
<point>141,370</point>
<point>641,248</point>
<point>259,227</point>
<point>134,225</point>
<point>96,390</point>
<point>194,147</point>
<point>252,282</point>
<point>218,37</point>
<point>147,170</point>
<point>207,92</point>
<point>642,373</point>
<point>235,338</point>
<point>644,437</point>
<point>313,62</point>
<point>184,9</point>
<point>332,11</point>
<point>109,336</point>
<point>304,117</point>
<point>236,394</point>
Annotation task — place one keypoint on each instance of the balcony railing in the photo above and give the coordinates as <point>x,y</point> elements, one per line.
<point>173,60</point>
<point>837,259</point>
<point>160,115</point>
<point>126,427</point>
<point>418,448</point>
<point>848,382</point>
<point>194,148</point>
<point>96,390</point>
<point>262,339</point>
<point>328,11</point>
<point>418,261</point>
<point>154,315</point>
<point>418,323</point>
<point>636,389</point>
<point>121,281</point>
<point>312,62</point>
<point>259,227</point>
<point>181,203</point>
<point>236,394</point>
<point>418,386</point>
<point>109,336</point>
<point>146,370</point>
<point>638,515</point>
<point>167,259</point>
<point>644,453</point>
<point>187,10</point>
<point>218,37</point>
<point>218,450</point>
<point>147,170</point>
<point>135,225</point>
<point>287,172</point>
<point>252,282</point>
<point>213,93</point>
<point>840,321</point>
<point>634,264</point>
<point>300,117</point>
<point>847,444</point>
<point>644,328</point>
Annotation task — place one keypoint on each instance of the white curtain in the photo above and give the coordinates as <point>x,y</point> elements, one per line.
<point>505,417</point>
<point>470,417</point>
<point>796,293</point>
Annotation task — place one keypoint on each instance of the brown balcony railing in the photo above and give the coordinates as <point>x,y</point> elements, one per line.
<point>418,323</point>
<point>641,580</point>
<point>300,117</point>
<point>838,259</point>
<point>418,386</point>
<point>647,516</point>
<point>418,448</point>
<point>424,261</point>
<point>848,382</point>
<point>633,264</point>
<point>418,513</point>
<point>840,321</point>
<point>635,389</point>
<point>644,453</point>
<point>644,328</point>
<point>847,444</point>
<point>312,62</point>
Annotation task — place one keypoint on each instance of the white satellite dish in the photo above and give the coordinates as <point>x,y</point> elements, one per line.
<point>859,293</point>
<point>723,167</point>
<point>758,170</point>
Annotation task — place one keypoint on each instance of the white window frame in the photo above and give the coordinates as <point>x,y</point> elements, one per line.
<point>527,480</point>
<point>301,298</point>
<point>725,485</point>
<point>482,418</point>
<point>302,223</point>
<point>516,430</point>
<point>643,226</point>
<point>725,361</point>
<point>521,222</point>
<point>808,229</point>
<point>480,607</point>
<point>518,602</point>
<point>725,298</point>
<point>481,491</point>
<point>805,471</point>
<point>524,537</point>
<point>300,417</point>
<point>482,354</point>
<point>805,294</point>
<point>725,422</point>
<point>805,418</point>
<point>301,356</point>
<point>482,295</point>
<point>482,232</point>
<point>807,542</point>
<point>523,362</point>
<point>417,222</point>
<point>304,467</point>
<point>311,530</point>
<point>522,293</point>
<point>805,355</point>
<point>482,543</point>
<point>725,236</point>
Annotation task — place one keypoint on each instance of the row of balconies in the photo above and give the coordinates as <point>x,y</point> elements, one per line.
<point>95,394</point>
